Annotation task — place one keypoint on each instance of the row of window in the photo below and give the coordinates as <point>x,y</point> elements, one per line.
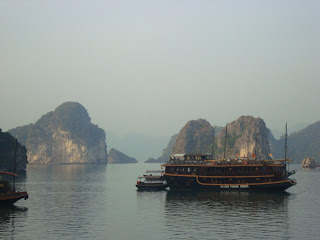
<point>225,170</point>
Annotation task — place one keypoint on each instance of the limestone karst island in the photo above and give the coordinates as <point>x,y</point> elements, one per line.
<point>67,135</point>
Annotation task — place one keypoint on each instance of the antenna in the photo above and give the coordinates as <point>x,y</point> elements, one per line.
<point>225,142</point>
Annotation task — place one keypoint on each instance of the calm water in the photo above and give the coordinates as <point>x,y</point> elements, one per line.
<point>101,202</point>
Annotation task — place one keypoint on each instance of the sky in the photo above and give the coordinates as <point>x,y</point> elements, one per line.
<point>149,66</point>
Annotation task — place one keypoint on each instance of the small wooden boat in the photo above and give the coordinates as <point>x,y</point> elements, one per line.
<point>152,181</point>
<point>8,194</point>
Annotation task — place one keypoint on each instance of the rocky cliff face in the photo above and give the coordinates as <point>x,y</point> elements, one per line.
<point>309,162</point>
<point>195,137</point>
<point>7,152</point>
<point>245,136</point>
<point>65,135</point>
<point>116,156</point>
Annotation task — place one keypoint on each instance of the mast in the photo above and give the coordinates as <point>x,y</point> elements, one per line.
<point>14,165</point>
<point>225,142</point>
<point>255,146</point>
<point>213,143</point>
<point>286,145</point>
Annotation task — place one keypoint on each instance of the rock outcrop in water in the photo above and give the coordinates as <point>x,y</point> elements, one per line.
<point>245,136</point>
<point>151,160</point>
<point>7,152</point>
<point>116,156</point>
<point>65,135</point>
<point>309,162</point>
<point>195,137</point>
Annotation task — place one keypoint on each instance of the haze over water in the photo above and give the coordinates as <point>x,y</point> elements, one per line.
<point>150,66</point>
<point>101,202</point>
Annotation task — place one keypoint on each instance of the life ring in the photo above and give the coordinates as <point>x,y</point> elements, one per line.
<point>245,162</point>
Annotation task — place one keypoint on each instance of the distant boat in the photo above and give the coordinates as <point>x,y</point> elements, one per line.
<point>8,194</point>
<point>152,181</point>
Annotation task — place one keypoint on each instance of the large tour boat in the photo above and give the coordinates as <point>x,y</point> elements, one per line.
<point>199,171</point>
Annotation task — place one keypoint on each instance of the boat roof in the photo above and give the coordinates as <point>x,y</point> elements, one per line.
<point>191,154</point>
<point>150,177</point>
<point>154,171</point>
<point>8,173</point>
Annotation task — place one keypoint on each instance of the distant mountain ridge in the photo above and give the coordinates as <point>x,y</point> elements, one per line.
<point>302,144</point>
<point>65,135</point>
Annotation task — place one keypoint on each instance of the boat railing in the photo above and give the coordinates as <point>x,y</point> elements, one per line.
<point>236,161</point>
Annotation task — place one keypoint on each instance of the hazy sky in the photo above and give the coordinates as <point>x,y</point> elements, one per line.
<point>150,66</point>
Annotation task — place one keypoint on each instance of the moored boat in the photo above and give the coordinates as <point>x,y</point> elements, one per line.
<point>8,194</point>
<point>152,181</point>
<point>199,171</point>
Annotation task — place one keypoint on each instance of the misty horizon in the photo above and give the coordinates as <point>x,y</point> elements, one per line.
<point>149,67</point>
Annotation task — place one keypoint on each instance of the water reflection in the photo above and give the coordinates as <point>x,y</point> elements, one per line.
<point>246,215</point>
<point>227,196</point>
<point>10,218</point>
<point>69,197</point>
